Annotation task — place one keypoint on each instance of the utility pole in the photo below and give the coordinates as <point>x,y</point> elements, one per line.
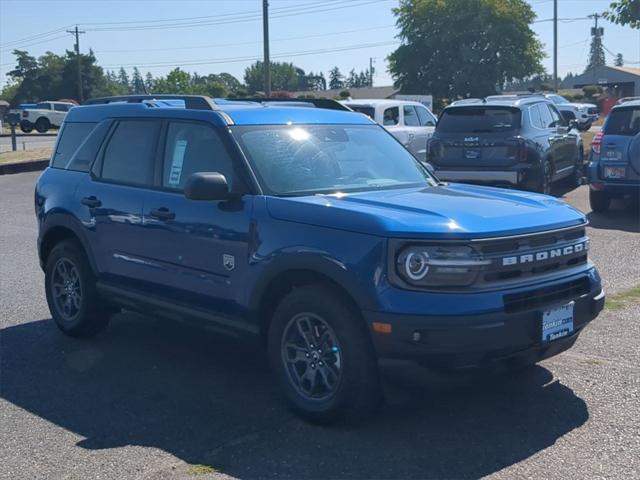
<point>555,45</point>
<point>371,70</point>
<point>596,32</point>
<point>265,41</point>
<point>77,33</point>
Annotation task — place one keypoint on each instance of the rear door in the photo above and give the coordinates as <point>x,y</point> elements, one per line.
<point>621,144</point>
<point>476,137</point>
<point>113,198</point>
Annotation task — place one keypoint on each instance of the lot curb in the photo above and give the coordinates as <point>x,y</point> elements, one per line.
<point>19,167</point>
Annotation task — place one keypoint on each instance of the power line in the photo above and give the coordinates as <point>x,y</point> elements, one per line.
<point>35,36</point>
<point>215,45</point>
<point>20,47</point>
<point>212,61</point>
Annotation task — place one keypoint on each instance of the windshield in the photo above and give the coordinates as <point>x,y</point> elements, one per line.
<point>310,159</point>
<point>479,119</point>
<point>557,99</point>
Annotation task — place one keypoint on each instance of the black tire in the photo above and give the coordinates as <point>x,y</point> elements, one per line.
<point>546,175</point>
<point>43,124</point>
<point>575,180</point>
<point>599,201</point>
<point>73,300</point>
<point>356,386</point>
<point>26,127</point>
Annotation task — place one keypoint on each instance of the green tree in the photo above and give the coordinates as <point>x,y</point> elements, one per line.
<point>624,12</point>
<point>176,81</point>
<point>619,61</point>
<point>137,83</point>
<point>596,53</point>
<point>283,77</point>
<point>494,46</point>
<point>123,78</point>
<point>148,81</point>
<point>336,80</point>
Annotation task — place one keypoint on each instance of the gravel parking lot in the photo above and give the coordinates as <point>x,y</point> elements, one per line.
<point>154,400</point>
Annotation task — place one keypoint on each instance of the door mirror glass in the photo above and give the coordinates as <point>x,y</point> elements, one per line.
<point>206,186</point>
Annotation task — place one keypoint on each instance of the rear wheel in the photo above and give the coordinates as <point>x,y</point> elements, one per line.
<point>43,124</point>
<point>576,177</point>
<point>71,292</point>
<point>545,178</point>
<point>322,356</point>
<point>599,201</point>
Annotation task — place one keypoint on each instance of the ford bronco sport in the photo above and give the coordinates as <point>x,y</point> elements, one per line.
<point>309,227</point>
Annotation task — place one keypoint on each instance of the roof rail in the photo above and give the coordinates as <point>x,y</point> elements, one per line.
<point>627,99</point>
<point>466,101</point>
<point>326,103</point>
<point>191,102</point>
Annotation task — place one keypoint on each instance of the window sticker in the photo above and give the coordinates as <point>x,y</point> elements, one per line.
<point>176,163</point>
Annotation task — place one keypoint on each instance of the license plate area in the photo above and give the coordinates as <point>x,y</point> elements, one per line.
<point>557,322</point>
<point>472,154</point>
<point>615,172</point>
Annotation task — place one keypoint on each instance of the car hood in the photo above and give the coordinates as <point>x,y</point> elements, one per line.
<point>444,211</point>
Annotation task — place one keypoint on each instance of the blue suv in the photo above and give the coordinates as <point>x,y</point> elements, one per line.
<point>614,163</point>
<point>311,228</point>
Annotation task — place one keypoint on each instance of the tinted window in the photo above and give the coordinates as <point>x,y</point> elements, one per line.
<point>129,156</point>
<point>555,116</point>
<point>534,115</point>
<point>58,107</point>
<point>86,154</point>
<point>71,137</point>
<point>391,116</point>
<point>193,148</point>
<point>368,111</point>
<point>479,119</point>
<point>43,106</point>
<point>426,118</point>
<point>623,121</point>
<point>410,116</point>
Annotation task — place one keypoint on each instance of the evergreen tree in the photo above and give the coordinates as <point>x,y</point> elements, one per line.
<point>123,78</point>
<point>149,82</point>
<point>336,80</point>
<point>137,84</point>
<point>619,61</point>
<point>596,53</point>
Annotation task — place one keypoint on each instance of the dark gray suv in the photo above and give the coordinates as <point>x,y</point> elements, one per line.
<point>521,142</point>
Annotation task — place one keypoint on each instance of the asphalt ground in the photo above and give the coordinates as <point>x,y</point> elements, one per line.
<point>153,400</point>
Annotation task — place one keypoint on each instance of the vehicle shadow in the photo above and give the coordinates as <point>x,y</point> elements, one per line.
<point>210,401</point>
<point>624,214</point>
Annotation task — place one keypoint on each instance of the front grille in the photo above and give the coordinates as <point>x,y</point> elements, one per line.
<point>533,255</point>
<point>518,302</point>
<point>592,110</point>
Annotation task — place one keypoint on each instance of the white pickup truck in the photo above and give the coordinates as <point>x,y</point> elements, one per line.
<point>44,116</point>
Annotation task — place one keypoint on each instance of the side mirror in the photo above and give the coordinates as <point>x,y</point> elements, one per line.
<point>206,186</point>
<point>573,124</point>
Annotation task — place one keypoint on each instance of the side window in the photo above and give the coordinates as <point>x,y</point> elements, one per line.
<point>391,116</point>
<point>556,119</point>
<point>71,137</point>
<point>43,106</point>
<point>192,148</point>
<point>58,107</point>
<point>85,155</point>
<point>410,116</point>
<point>426,118</point>
<point>129,156</point>
<point>534,115</point>
<point>545,116</point>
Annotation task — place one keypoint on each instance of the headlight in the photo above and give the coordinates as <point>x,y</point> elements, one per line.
<point>581,108</point>
<point>438,265</point>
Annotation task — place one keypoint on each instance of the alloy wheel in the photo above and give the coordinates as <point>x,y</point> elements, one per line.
<point>66,289</point>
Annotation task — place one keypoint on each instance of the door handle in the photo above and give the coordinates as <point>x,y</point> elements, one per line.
<point>162,213</point>
<point>91,202</point>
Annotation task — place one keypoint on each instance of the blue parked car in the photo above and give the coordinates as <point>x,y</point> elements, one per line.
<point>614,163</point>
<point>311,228</point>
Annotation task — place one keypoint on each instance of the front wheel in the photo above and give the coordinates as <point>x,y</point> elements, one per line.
<point>42,125</point>
<point>71,292</point>
<point>26,127</point>
<point>322,357</point>
<point>599,201</point>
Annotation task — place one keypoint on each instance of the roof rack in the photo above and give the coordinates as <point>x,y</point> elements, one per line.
<point>326,103</point>
<point>467,101</point>
<point>192,102</point>
<point>627,99</point>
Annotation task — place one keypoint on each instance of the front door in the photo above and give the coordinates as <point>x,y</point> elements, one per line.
<point>200,248</point>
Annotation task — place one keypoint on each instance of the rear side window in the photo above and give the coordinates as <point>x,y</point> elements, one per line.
<point>59,107</point>
<point>71,137</point>
<point>130,154</point>
<point>479,119</point>
<point>368,111</point>
<point>43,106</point>
<point>623,121</point>
<point>391,116</point>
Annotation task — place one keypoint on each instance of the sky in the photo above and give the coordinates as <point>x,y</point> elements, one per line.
<point>214,36</point>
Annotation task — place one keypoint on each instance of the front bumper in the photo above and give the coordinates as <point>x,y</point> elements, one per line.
<point>463,341</point>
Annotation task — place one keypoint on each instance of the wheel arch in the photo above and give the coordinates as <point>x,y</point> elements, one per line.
<point>58,231</point>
